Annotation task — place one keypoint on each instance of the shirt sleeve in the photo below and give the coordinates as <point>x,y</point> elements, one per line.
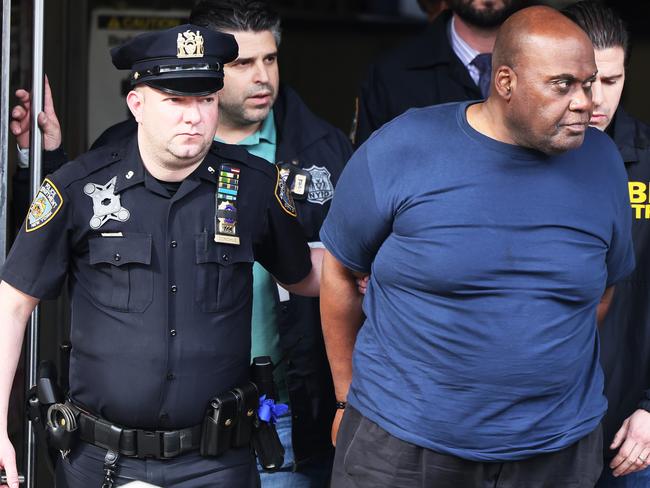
<point>37,263</point>
<point>357,224</point>
<point>620,255</point>
<point>283,250</point>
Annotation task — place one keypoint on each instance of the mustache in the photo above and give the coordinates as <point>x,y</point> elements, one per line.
<point>261,89</point>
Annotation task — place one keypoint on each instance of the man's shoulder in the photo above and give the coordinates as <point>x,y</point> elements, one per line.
<point>297,123</point>
<point>631,135</point>
<point>239,155</point>
<point>597,140</point>
<point>415,120</point>
<point>89,163</point>
<point>427,48</point>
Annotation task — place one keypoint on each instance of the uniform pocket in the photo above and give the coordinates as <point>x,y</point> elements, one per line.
<point>123,279</point>
<point>223,274</point>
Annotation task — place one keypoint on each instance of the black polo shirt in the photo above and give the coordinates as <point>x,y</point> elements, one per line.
<point>160,311</point>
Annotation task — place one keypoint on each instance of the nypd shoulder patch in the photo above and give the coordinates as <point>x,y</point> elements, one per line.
<point>283,193</point>
<point>46,205</point>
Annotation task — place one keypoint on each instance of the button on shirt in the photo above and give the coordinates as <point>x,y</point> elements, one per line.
<point>160,312</point>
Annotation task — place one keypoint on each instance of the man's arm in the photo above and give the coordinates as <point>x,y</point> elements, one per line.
<point>342,317</point>
<point>603,306</point>
<point>15,309</point>
<point>310,285</point>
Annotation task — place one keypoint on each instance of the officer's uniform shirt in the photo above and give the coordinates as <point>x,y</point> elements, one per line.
<point>160,312</point>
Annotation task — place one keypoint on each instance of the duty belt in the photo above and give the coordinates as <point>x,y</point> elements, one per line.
<point>158,444</point>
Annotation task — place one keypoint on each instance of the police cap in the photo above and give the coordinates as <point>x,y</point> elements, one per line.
<point>185,60</point>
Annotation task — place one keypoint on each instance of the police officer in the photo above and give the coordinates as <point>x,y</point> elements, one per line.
<point>157,236</point>
<point>270,120</point>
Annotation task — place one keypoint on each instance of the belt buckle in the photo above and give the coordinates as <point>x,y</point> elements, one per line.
<point>149,444</point>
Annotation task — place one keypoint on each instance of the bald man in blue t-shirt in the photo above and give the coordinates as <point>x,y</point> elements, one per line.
<point>494,233</point>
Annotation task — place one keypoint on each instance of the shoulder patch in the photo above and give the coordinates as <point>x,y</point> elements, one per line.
<point>46,205</point>
<point>283,194</point>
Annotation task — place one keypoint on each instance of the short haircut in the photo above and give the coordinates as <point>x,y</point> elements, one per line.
<point>603,26</point>
<point>237,16</point>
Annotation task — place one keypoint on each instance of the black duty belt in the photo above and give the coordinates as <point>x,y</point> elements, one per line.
<point>158,444</point>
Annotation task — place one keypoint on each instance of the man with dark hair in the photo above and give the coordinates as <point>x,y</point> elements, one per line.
<point>474,361</point>
<point>448,62</point>
<point>270,120</point>
<point>157,237</point>
<point>625,332</point>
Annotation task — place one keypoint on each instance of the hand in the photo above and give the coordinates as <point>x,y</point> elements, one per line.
<point>336,424</point>
<point>362,284</point>
<point>47,120</point>
<point>8,462</point>
<point>633,438</point>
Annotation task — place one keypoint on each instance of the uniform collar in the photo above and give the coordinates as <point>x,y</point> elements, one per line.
<point>131,168</point>
<point>208,169</point>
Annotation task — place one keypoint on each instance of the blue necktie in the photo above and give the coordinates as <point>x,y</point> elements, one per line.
<point>484,64</point>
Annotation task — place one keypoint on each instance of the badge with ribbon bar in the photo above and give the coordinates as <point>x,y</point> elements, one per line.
<point>225,220</point>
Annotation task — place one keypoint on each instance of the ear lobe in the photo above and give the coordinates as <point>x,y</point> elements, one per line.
<point>505,81</point>
<point>135,102</point>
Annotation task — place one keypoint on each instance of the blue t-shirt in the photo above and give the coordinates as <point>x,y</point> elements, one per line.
<point>487,262</point>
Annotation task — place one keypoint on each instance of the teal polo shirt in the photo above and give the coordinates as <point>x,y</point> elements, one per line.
<point>265,338</point>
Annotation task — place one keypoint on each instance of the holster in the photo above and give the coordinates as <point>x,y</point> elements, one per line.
<point>39,400</point>
<point>266,443</point>
<point>229,420</point>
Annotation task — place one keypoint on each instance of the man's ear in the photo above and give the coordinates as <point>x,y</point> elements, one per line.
<point>135,102</point>
<point>505,81</point>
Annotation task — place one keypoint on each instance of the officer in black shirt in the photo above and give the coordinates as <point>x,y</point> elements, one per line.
<point>157,237</point>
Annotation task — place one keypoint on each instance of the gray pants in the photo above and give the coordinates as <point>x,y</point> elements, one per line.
<point>369,457</point>
<point>83,468</point>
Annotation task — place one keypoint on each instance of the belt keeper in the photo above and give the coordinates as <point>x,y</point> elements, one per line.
<point>107,435</point>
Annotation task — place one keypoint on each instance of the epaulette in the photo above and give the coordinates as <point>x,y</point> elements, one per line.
<point>88,163</point>
<point>240,155</point>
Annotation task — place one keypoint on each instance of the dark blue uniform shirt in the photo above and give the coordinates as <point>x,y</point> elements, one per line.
<point>160,312</point>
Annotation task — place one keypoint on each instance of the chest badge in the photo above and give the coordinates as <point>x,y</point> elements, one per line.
<point>106,204</point>
<point>320,188</point>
